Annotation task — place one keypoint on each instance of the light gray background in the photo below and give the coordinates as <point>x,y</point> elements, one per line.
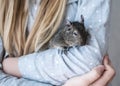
<point>114,41</point>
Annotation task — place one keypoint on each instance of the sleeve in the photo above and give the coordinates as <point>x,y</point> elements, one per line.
<point>55,66</point>
<point>7,80</point>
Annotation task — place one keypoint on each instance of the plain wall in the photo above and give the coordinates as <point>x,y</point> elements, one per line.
<point>114,41</point>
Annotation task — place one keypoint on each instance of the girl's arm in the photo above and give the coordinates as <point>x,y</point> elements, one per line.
<point>8,80</point>
<point>98,76</point>
<point>54,66</point>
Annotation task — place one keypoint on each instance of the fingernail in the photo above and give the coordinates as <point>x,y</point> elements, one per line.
<point>107,60</point>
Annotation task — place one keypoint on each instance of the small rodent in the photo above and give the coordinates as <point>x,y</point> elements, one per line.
<point>73,34</point>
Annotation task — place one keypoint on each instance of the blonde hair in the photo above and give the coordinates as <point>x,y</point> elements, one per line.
<point>13,24</point>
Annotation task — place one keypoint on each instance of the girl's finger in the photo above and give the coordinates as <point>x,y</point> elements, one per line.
<point>108,74</point>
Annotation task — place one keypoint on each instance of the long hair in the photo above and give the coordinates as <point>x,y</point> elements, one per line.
<point>13,25</point>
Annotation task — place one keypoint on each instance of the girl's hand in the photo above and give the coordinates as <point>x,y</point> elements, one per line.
<point>10,66</point>
<point>99,76</point>
<point>108,74</point>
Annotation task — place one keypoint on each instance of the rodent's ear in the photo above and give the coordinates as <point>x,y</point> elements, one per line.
<point>68,22</point>
<point>82,19</point>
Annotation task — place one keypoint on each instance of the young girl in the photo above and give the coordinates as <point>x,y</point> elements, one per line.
<point>25,30</point>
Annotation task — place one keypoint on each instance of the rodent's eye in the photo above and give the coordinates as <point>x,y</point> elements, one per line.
<point>75,33</point>
<point>68,29</point>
